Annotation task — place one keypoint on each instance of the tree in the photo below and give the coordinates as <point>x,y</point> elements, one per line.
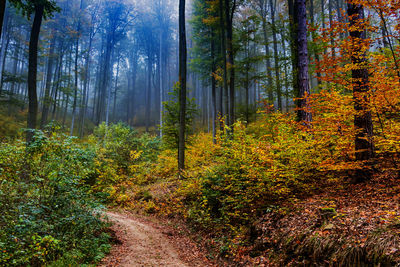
<point>262,6</point>
<point>203,61</point>
<point>364,145</point>
<point>47,99</point>
<point>230,8</point>
<point>2,11</point>
<point>42,9</point>
<point>276,56</point>
<point>303,114</point>
<point>182,85</point>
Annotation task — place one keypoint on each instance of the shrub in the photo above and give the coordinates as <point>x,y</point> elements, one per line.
<point>47,213</point>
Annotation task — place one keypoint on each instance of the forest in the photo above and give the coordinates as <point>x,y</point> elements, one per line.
<point>199,133</point>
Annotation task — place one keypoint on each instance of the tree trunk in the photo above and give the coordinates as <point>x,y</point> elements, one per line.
<point>229,11</point>
<point>330,10</point>
<point>276,57</point>
<point>323,17</point>
<point>223,54</point>
<point>182,86</point>
<point>148,91</point>
<point>161,84</point>
<point>4,52</point>
<point>47,98</point>
<point>15,67</point>
<point>294,45</point>
<point>116,87</point>
<point>303,114</point>
<point>313,35</point>
<point>263,12</point>
<point>364,145</point>
<point>57,85</point>
<point>2,11</point>
<point>32,71</point>
<point>213,88</point>
<point>86,84</point>
<point>78,29</point>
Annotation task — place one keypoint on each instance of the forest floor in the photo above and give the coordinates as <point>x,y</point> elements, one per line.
<point>146,241</point>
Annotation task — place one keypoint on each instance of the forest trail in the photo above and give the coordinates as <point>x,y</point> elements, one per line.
<point>144,243</point>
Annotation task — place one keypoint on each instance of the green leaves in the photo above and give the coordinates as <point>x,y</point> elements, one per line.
<point>45,206</point>
<point>171,119</point>
<point>27,7</point>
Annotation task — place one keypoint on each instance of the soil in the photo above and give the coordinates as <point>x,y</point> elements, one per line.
<point>143,242</point>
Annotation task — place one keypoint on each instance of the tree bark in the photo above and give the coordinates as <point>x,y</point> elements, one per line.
<point>276,57</point>
<point>116,86</point>
<point>364,145</point>
<point>293,45</point>
<point>32,72</point>
<point>229,11</point>
<point>2,11</point>
<point>148,91</point>
<point>182,86</point>
<point>224,96</point>
<point>78,29</point>
<point>213,88</point>
<point>303,114</point>
<point>47,98</point>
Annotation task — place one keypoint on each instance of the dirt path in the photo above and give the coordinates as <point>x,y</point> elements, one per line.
<point>144,243</point>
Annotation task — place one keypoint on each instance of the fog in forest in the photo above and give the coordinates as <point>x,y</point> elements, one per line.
<point>117,61</point>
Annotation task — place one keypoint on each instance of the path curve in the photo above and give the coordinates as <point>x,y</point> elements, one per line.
<point>144,245</point>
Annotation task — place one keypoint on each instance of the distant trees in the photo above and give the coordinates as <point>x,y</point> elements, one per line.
<point>117,60</point>
<point>40,9</point>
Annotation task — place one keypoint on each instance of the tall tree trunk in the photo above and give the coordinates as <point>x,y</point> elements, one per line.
<point>313,35</point>
<point>148,91</point>
<point>303,113</point>
<point>276,57</point>
<point>4,51</point>
<point>330,10</point>
<point>15,67</point>
<point>263,13</point>
<point>132,79</point>
<point>161,85</point>
<point>78,29</point>
<point>229,11</point>
<point>2,11</point>
<point>293,45</point>
<point>116,86</point>
<point>47,98</point>
<point>32,71</point>
<point>223,54</point>
<point>104,82</point>
<point>286,81</point>
<point>323,17</point>
<point>57,85</point>
<point>213,88</point>
<point>182,86</point>
<point>364,145</point>
<point>86,84</point>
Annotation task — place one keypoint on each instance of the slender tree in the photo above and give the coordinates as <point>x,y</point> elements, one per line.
<point>2,11</point>
<point>32,71</point>
<point>276,56</point>
<point>230,8</point>
<point>182,85</point>
<point>47,98</point>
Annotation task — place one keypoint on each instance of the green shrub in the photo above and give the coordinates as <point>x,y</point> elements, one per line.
<point>170,126</point>
<point>47,213</point>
